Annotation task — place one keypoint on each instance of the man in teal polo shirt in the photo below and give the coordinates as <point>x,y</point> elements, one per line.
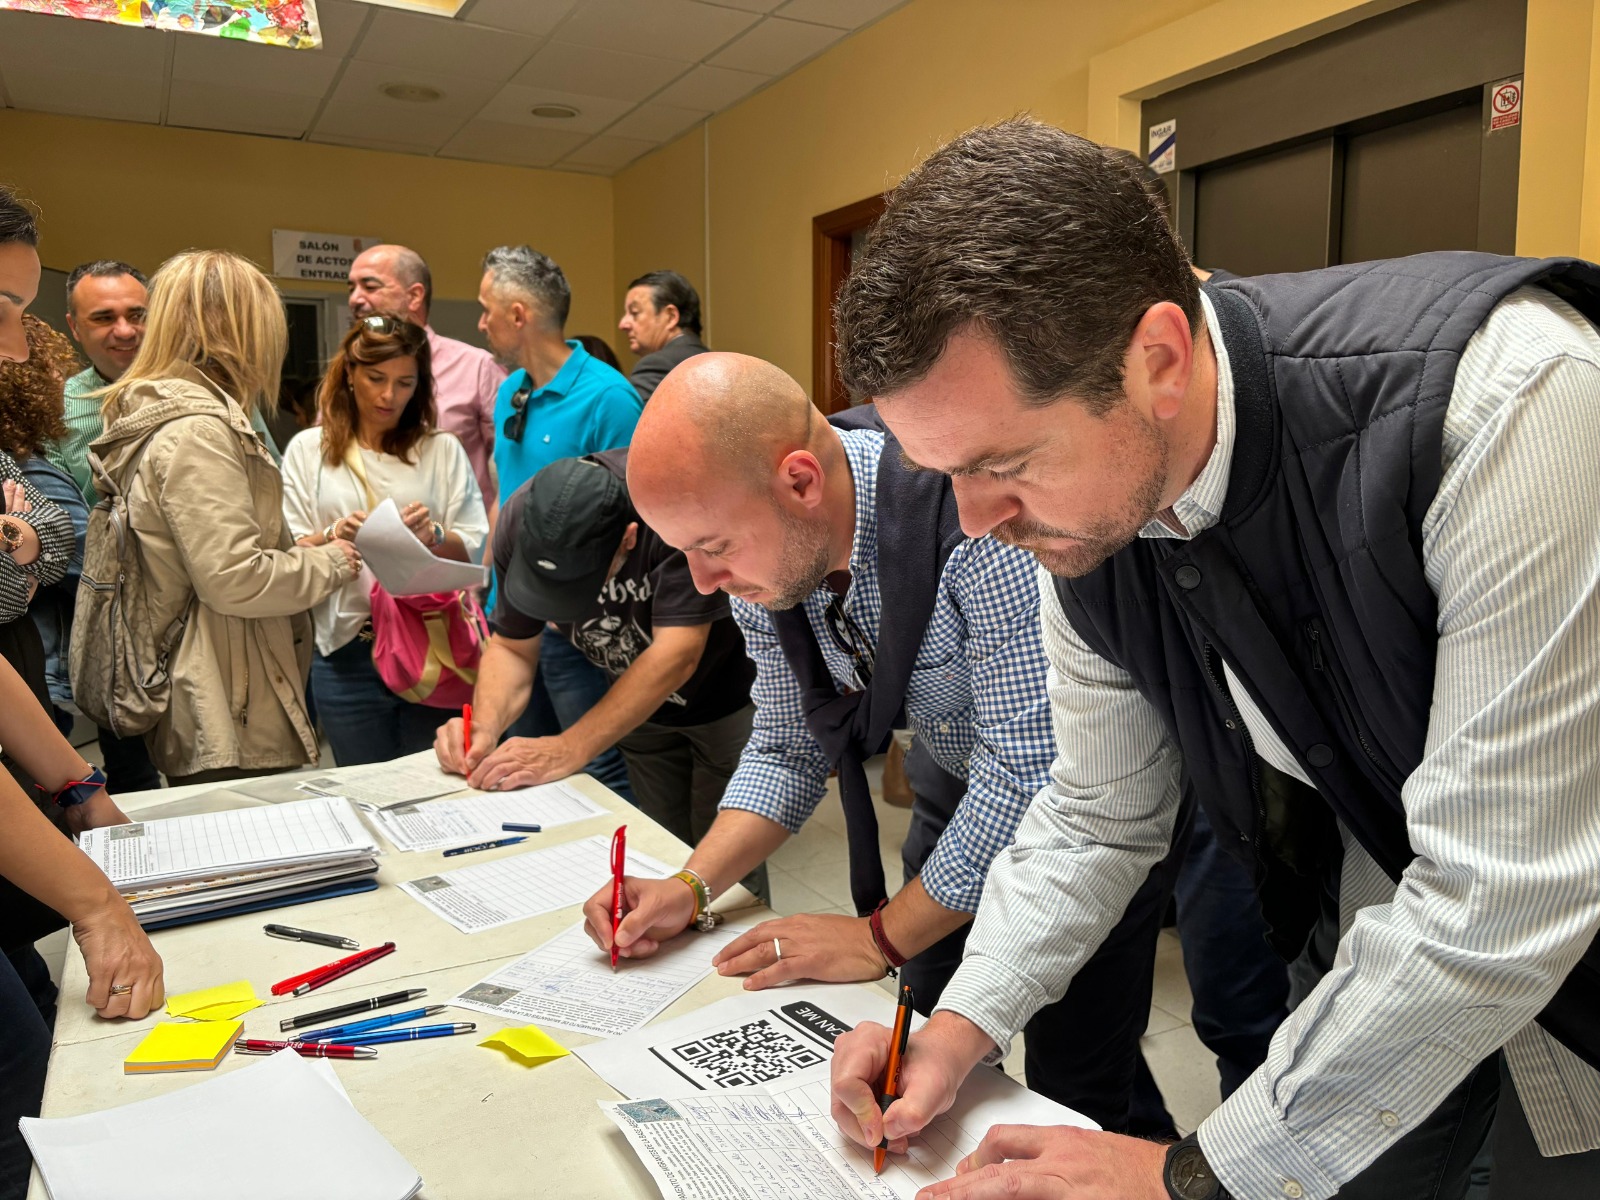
<point>558,402</point>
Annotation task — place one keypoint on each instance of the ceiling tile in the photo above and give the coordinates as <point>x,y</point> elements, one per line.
<point>776,46</point>
<point>538,17</point>
<point>433,44</point>
<point>79,93</point>
<point>842,14</point>
<point>371,143</point>
<point>711,88</point>
<point>225,63</point>
<point>340,21</point>
<point>460,96</point>
<point>755,6</point>
<point>239,109</point>
<point>513,102</point>
<point>519,145</point>
<point>668,28</point>
<point>424,131</point>
<point>594,72</point>
<point>83,46</point>
<point>609,152</point>
<point>656,122</point>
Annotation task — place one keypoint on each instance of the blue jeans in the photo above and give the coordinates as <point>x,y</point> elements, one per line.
<point>364,721</point>
<point>566,686</point>
<point>27,1013</point>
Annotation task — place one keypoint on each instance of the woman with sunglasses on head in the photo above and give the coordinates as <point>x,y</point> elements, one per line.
<point>219,578</point>
<point>377,441</point>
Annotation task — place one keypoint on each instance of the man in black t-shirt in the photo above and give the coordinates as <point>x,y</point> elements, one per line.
<point>573,559</point>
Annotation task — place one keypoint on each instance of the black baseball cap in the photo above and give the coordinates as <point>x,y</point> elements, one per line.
<point>573,517</point>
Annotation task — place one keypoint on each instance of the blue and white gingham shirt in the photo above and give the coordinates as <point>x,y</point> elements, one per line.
<point>1504,894</point>
<point>976,696</point>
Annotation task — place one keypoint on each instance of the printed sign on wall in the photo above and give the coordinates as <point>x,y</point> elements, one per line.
<point>1505,105</point>
<point>297,254</point>
<point>1163,147</point>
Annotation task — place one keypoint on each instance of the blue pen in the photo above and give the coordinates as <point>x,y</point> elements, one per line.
<point>409,1035</point>
<point>518,827</point>
<point>484,846</point>
<point>334,1032</point>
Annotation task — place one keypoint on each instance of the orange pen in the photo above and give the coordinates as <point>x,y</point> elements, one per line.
<point>891,1075</point>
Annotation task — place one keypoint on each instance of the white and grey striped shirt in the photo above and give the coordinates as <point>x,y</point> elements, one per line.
<point>1503,811</point>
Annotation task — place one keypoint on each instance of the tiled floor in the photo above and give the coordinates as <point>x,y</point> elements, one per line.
<point>810,873</point>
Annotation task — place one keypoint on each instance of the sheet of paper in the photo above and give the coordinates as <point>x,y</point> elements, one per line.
<point>528,1045</point>
<point>219,1003</point>
<point>780,1141</point>
<point>205,1141</point>
<point>403,564</point>
<point>381,785</point>
<point>491,894</point>
<point>182,1046</point>
<point>778,1035</point>
<point>464,820</point>
<point>180,848</point>
<point>568,982</point>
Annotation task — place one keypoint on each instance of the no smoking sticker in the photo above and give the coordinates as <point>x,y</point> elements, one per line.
<point>1505,105</point>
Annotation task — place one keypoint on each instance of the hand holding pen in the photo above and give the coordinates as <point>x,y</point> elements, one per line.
<point>890,1092</point>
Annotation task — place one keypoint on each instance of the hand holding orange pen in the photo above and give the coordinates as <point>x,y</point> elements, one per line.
<point>891,1075</point>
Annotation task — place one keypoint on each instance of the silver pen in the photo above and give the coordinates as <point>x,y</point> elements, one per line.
<point>289,933</point>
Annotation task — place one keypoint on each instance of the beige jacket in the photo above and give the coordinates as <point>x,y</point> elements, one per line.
<point>206,506</point>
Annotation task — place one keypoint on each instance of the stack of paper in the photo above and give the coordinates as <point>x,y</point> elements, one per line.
<point>465,820</point>
<point>212,864</point>
<point>182,1046</point>
<point>279,1127</point>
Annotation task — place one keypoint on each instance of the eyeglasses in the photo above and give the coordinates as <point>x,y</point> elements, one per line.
<point>847,636</point>
<point>517,422</point>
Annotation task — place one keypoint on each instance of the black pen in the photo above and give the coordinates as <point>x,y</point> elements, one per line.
<point>292,934</point>
<point>483,846</point>
<point>348,1010</point>
<point>519,827</point>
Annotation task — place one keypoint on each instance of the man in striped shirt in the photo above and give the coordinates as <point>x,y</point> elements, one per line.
<point>1331,537</point>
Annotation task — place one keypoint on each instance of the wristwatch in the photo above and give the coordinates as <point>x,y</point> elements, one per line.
<point>10,535</point>
<point>438,534</point>
<point>1189,1176</point>
<point>75,791</point>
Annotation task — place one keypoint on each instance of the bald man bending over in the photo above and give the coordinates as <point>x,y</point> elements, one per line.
<point>817,529</point>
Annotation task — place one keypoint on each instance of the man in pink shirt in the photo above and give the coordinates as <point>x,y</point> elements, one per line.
<point>394,281</point>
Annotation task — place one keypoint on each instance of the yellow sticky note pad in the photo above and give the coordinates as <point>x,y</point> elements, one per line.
<point>530,1044</point>
<point>224,1003</point>
<point>182,1046</point>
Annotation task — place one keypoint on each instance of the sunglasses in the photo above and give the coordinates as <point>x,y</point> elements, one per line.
<point>517,423</point>
<point>847,636</point>
<point>384,325</point>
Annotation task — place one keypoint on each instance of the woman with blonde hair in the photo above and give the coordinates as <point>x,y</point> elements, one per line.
<point>377,441</point>
<point>220,586</point>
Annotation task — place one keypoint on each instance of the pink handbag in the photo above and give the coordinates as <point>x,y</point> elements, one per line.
<point>427,648</point>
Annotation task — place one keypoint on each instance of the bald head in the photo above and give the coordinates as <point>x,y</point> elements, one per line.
<point>391,280</point>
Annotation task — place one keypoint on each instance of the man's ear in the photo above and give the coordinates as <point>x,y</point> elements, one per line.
<point>677,318</point>
<point>630,536</point>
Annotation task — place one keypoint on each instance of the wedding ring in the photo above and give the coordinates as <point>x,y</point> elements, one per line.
<point>121,989</point>
<point>777,949</point>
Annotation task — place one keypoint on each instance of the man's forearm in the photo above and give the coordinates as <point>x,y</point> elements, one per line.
<point>505,682</point>
<point>914,920</point>
<point>628,703</point>
<point>737,843</point>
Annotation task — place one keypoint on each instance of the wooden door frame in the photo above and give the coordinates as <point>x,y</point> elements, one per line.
<point>830,263</point>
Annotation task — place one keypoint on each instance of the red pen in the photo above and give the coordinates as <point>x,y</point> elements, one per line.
<point>303,1049</point>
<point>340,970</point>
<point>466,734</point>
<point>284,986</point>
<point>619,857</point>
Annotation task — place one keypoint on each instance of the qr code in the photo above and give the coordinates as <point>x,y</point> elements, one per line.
<point>756,1052</point>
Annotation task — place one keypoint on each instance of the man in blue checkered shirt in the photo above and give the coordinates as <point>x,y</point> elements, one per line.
<point>774,505</point>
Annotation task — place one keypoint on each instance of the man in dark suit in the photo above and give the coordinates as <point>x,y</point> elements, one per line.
<point>661,316</point>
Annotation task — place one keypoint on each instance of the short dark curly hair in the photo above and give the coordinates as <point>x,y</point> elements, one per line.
<point>31,391</point>
<point>1047,241</point>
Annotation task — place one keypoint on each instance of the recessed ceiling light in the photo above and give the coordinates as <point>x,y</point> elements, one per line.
<point>414,93</point>
<point>558,112</point>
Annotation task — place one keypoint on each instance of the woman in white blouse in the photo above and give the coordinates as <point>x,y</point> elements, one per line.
<point>377,414</point>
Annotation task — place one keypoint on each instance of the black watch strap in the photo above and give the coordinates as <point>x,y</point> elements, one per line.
<point>1187,1174</point>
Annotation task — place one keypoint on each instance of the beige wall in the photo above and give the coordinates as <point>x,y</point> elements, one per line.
<point>140,193</point>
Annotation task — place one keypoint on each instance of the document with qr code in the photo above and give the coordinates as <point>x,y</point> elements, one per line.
<point>568,982</point>
<point>783,1034</point>
<point>760,1143</point>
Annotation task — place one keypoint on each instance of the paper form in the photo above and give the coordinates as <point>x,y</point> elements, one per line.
<point>490,894</point>
<point>382,785</point>
<point>568,982</point>
<point>780,1141</point>
<point>780,1035</point>
<point>403,564</point>
<point>465,820</point>
<point>179,848</point>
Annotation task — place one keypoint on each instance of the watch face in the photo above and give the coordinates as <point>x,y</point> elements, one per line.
<point>1189,1175</point>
